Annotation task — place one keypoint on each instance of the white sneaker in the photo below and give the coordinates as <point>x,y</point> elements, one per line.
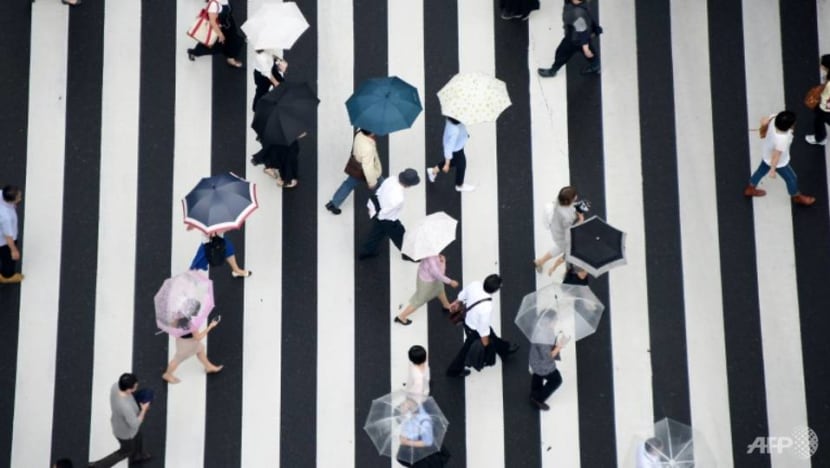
<point>811,139</point>
<point>431,174</point>
<point>465,188</point>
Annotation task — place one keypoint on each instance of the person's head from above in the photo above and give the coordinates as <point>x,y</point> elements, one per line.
<point>654,446</point>
<point>12,194</point>
<point>453,121</point>
<point>825,63</point>
<point>785,120</point>
<point>492,283</point>
<point>128,382</point>
<point>409,177</point>
<point>63,463</point>
<point>417,355</point>
<point>567,195</point>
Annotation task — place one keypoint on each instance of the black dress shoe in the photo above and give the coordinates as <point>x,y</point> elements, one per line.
<point>464,373</point>
<point>547,72</point>
<point>590,69</point>
<point>335,210</point>
<point>540,404</point>
<point>403,322</point>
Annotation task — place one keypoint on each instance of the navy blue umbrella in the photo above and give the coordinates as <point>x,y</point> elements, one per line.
<point>384,105</point>
<point>219,203</point>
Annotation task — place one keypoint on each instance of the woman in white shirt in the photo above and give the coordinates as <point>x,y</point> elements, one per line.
<point>223,24</point>
<point>559,218</point>
<point>269,70</point>
<point>417,382</point>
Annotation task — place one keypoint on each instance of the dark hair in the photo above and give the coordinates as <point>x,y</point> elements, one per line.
<point>417,354</point>
<point>785,120</point>
<point>653,445</point>
<point>365,132</point>
<point>63,463</point>
<point>825,62</point>
<point>454,122</point>
<point>566,195</point>
<point>10,193</point>
<point>492,283</point>
<point>127,381</point>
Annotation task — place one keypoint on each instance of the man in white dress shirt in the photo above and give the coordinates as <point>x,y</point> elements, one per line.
<point>476,296</point>
<point>390,198</point>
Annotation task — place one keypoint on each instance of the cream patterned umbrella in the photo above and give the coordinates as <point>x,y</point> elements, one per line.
<point>473,98</point>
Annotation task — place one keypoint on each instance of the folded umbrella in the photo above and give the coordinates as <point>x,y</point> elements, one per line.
<point>285,113</point>
<point>384,105</point>
<point>275,26</point>
<point>219,203</point>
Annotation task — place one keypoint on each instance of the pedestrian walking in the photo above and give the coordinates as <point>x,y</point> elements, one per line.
<point>517,9</point>
<point>580,27</point>
<point>417,382</point>
<point>455,138</point>
<point>281,162</point>
<point>127,416</point>
<point>9,251</point>
<point>546,378</point>
<point>388,202</point>
<point>215,250</point>
<point>777,133</point>
<point>269,71</point>
<point>223,25</point>
<point>190,345</point>
<point>477,298</point>
<point>648,454</point>
<point>429,284</point>
<point>821,113</point>
<point>363,166</point>
<point>559,217</point>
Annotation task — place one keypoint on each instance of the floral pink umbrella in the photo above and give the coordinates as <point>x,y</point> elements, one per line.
<point>184,302</point>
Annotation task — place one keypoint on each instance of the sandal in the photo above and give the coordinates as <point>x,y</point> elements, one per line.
<point>271,172</point>
<point>234,63</point>
<point>292,184</point>
<point>246,274</point>
<point>280,182</point>
<point>215,371</point>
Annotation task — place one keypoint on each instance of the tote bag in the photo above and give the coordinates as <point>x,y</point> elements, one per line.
<point>201,30</point>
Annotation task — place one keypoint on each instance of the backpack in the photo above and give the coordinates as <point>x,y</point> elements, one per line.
<point>215,251</point>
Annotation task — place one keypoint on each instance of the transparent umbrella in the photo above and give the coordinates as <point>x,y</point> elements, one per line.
<point>559,308</point>
<point>399,424</point>
<point>183,302</point>
<point>673,444</point>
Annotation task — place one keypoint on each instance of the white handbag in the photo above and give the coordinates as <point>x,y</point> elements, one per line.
<point>202,30</point>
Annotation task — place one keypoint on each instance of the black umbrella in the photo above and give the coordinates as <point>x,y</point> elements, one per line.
<point>219,203</point>
<point>285,113</point>
<point>595,246</point>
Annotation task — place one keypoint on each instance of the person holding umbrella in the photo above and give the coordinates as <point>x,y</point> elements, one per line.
<point>269,70</point>
<point>363,166</point>
<point>542,361</point>
<point>213,251</point>
<point>187,346</point>
<point>387,208</point>
<point>223,24</point>
<point>559,219</point>
<point>429,284</point>
<point>455,137</point>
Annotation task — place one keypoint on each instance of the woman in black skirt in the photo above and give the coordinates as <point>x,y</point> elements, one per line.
<point>518,9</point>
<point>281,162</point>
<point>223,24</point>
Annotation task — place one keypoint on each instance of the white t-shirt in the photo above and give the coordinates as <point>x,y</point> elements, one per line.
<point>479,317</point>
<point>215,6</point>
<point>264,61</point>
<point>777,140</point>
<point>417,384</point>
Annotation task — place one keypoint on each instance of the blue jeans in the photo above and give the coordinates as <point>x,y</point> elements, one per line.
<point>787,173</point>
<point>346,188</point>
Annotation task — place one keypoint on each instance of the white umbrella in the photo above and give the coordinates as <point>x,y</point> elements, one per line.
<point>473,98</point>
<point>275,26</point>
<point>430,236</point>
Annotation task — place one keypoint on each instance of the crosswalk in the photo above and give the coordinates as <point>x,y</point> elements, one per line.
<point>718,320</point>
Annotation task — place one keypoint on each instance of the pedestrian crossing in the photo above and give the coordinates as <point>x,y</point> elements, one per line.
<point>717,321</point>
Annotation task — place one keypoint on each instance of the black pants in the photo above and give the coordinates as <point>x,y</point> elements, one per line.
<point>263,84</point>
<point>543,386</point>
<point>7,265</point>
<point>233,41</point>
<point>567,49</point>
<point>459,162</point>
<point>132,448</point>
<point>380,230</point>
<point>457,364</point>
<point>821,119</point>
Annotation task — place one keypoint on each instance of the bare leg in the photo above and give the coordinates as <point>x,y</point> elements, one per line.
<point>559,260</point>
<point>445,303</point>
<point>406,312</point>
<point>234,266</point>
<point>209,366</point>
<point>168,373</point>
<point>539,262</point>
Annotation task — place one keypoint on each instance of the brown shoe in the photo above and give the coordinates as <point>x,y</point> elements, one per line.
<point>751,191</point>
<point>805,200</point>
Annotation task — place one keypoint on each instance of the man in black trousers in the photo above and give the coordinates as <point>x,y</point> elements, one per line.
<point>579,26</point>
<point>477,297</point>
<point>388,206</point>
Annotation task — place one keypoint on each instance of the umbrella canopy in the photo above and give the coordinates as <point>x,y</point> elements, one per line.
<point>595,246</point>
<point>285,113</point>
<point>473,98</point>
<point>384,105</point>
<point>397,419</point>
<point>219,203</point>
<point>559,308</point>
<point>430,236</point>
<point>674,445</point>
<point>184,302</point>
<point>275,26</point>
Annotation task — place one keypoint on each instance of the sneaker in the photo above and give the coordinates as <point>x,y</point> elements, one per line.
<point>811,139</point>
<point>465,188</point>
<point>431,174</point>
